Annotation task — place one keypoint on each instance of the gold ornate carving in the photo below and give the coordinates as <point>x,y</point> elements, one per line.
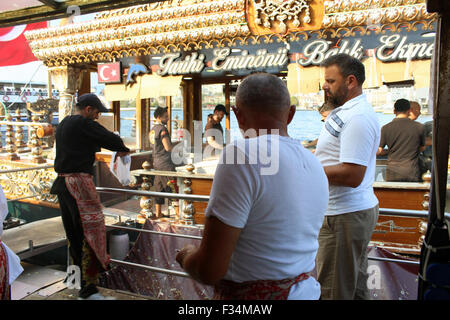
<point>188,210</point>
<point>172,26</point>
<point>67,80</point>
<point>27,183</point>
<point>282,16</point>
<point>282,11</point>
<point>346,13</point>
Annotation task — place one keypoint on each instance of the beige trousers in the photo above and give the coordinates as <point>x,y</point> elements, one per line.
<point>342,256</point>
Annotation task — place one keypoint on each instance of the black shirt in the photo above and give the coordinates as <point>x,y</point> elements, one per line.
<point>77,141</point>
<point>211,124</point>
<point>162,159</point>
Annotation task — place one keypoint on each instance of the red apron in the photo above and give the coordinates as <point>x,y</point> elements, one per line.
<point>5,293</point>
<point>256,290</point>
<point>81,187</point>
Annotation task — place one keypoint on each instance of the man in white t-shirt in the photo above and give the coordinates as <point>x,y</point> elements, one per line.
<point>347,149</point>
<point>266,206</point>
<point>10,267</point>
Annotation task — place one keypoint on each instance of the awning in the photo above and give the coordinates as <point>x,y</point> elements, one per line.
<point>303,80</point>
<point>146,86</point>
<point>373,74</point>
<point>420,72</point>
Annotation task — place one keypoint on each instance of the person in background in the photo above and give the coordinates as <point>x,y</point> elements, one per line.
<point>162,155</point>
<point>347,149</point>
<point>10,267</point>
<point>405,139</point>
<point>324,111</point>
<point>414,111</point>
<point>78,138</point>
<point>425,157</point>
<point>260,236</point>
<point>213,130</point>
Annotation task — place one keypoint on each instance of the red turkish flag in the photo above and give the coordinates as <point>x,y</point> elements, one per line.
<point>109,72</point>
<point>14,48</point>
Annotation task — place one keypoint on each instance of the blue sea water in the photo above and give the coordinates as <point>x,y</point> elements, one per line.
<point>306,124</point>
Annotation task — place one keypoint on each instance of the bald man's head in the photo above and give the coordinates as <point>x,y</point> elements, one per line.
<point>264,93</point>
<point>414,112</point>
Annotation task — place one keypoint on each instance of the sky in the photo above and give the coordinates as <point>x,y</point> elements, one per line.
<point>35,71</point>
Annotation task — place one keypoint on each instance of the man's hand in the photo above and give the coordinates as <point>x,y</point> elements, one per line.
<point>209,262</point>
<point>120,154</point>
<point>183,253</point>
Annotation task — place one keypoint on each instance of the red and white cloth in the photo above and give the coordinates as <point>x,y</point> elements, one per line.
<point>10,267</point>
<point>5,292</point>
<point>256,290</point>
<point>81,187</point>
<point>14,48</point>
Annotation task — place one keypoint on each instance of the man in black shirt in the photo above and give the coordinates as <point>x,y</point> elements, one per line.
<point>213,130</point>
<point>162,154</point>
<point>405,139</point>
<point>78,138</point>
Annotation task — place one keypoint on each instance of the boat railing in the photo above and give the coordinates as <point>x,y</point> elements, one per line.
<point>191,197</point>
<point>31,182</point>
<point>14,147</point>
<point>49,166</point>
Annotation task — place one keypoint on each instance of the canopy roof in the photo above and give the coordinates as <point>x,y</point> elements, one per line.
<point>178,25</point>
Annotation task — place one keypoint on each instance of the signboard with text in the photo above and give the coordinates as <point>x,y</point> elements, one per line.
<point>273,57</point>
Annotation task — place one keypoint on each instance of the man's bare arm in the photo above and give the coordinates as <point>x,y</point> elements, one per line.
<point>209,262</point>
<point>212,142</point>
<point>168,145</point>
<point>345,174</point>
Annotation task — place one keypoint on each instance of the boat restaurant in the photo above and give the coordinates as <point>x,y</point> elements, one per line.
<point>190,55</point>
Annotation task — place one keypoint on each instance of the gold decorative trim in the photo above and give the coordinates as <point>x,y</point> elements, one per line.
<point>27,183</point>
<point>178,25</point>
<point>346,13</point>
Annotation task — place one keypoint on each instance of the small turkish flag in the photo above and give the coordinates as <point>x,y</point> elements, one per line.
<point>14,48</point>
<point>109,72</point>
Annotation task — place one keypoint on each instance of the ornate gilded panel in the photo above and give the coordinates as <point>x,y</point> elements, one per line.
<point>178,25</point>
<point>282,16</point>
<point>27,183</point>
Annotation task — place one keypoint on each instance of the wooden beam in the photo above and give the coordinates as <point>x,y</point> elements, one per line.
<point>169,110</point>
<point>85,83</point>
<point>441,118</point>
<point>187,104</point>
<point>115,106</point>
<point>142,124</point>
<point>228,117</point>
<point>440,6</point>
<point>51,3</point>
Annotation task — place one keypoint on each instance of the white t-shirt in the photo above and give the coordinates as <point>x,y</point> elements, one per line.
<point>351,134</point>
<point>278,198</point>
<point>14,266</point>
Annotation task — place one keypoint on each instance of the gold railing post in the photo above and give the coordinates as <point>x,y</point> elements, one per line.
<point>188,206</point>
<point>133,127</point>
<point>146,203</point>
<point>10,141</point>
<point>36,144</point>
<point>20,143</point>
